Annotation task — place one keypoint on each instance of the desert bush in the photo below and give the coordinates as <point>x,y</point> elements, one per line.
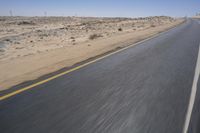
<point>120,29</point>
<point>8,40</point>
<point>2,19</point>
<point>44,35</point>
<point>95,36</point>
<point>38,30</point>
<point>153,25</point>
<point>2,50</point>
<point>26,23</point>
<point>17,42</point>
<point>63,28</point>
<point>19,47</point>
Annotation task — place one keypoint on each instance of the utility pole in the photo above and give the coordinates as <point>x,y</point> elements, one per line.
<point>11,13</point>
<point>45,14</point>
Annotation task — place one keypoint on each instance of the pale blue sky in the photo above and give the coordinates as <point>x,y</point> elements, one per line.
<point>106,8</point>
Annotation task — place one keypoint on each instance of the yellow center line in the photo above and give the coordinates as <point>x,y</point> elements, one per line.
<point>73,69</point>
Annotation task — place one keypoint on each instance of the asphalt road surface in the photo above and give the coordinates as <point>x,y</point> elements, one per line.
<point>143,89</point>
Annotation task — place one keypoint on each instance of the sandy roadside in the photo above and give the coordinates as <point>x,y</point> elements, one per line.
<point>31,67</point>
<point>196,17</point>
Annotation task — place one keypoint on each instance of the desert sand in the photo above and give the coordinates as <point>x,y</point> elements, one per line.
<point>34,46</point>
<point>197,16</point>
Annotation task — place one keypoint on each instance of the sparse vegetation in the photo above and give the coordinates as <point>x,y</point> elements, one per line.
<point>2,50</point>
<point>63,28</point>
<point>26,23</point>
<point>19,47</point>
<point>46,32</point>
<point>38,31</point>
<point>7,40</point>
<point>95,36</point>
<point>1,19</point>
<point>153,25</point>
<point>120,29</point>
<point>17,42</point>
<point>43,35</point>
<point>69,38</point>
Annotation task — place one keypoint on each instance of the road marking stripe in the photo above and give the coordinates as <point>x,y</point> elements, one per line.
<point>78,67</point>
<point>192,95</point>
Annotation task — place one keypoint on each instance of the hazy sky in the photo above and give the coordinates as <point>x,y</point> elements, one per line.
<point>107,8</point>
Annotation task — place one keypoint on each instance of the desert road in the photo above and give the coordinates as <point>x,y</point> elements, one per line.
<point>143,89</point>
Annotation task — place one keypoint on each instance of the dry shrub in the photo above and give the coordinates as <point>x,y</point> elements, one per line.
<point>153,25</point>
<point>26,23</point>
<point>95,36</point>
<point>120,29</point>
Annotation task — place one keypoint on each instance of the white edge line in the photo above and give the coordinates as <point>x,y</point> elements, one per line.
<point>192,95</point>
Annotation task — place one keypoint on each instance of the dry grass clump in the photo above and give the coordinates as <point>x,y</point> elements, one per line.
<point>2,50</point>
<point>95,36</point>
<point>153,25</point>
<point>26,23</point>
<point>120,29</point>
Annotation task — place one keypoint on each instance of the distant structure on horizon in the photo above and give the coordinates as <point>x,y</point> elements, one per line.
<point>45,14</point>
<point>11,13</point>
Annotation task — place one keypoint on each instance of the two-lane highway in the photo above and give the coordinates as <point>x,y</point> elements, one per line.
<point>143,89</point>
